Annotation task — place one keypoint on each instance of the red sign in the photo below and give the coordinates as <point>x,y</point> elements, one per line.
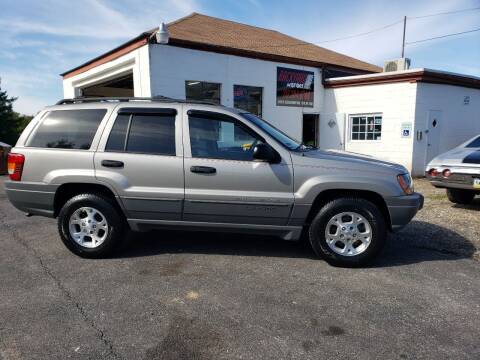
<point>294,87</point>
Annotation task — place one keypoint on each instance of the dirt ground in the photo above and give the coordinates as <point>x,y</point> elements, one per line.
<point>462,221</point>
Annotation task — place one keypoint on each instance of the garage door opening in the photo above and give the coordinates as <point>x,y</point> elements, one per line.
<point>121,86</point>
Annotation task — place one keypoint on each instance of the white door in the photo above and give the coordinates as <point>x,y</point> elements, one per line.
<point>433,133</point>
<point>332,131</point>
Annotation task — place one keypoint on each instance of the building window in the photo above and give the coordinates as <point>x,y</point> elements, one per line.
<point>248,98</point>
<point>202,91</point>
<point>366,127</point>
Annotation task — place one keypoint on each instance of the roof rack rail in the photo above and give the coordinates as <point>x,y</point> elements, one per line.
<point>159,98</point>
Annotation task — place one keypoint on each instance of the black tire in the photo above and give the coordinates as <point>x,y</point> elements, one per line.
<point>362,207</point>
<point>460,196</point>
<point>116,225</point>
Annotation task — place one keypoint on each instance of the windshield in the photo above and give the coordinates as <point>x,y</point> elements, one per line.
<point>474,144</point>
<point>278,135</point>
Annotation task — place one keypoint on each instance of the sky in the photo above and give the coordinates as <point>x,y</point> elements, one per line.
<point>39,39</point>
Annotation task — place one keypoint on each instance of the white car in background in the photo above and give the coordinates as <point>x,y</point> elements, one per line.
<point>458,170</point>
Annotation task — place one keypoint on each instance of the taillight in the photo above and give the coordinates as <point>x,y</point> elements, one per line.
<point>15,166</point>
<point>446,173</point>
<point>433,172</point>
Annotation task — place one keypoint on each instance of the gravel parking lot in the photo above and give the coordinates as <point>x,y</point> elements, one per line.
<point>178,295</point>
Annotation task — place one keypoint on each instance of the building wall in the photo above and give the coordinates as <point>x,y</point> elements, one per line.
<point>171,66</point>
<point>460,121</point>
<point>136,62</point>
<point>163,70</point>
<point>396,103</point>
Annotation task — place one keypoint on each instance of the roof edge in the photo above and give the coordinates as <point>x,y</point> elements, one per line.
<point>116,52</point>
<point>145,35</point>
<point>413,76</point>
<point>194,45</point>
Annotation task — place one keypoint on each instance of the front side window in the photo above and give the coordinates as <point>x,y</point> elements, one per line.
<point>366,127</point>
<point>146,134</point>
<point>68,129</point>
<point>202,91</point>
<point>221,138</point>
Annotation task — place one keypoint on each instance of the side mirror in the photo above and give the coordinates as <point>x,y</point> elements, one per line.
<point>264,152</point>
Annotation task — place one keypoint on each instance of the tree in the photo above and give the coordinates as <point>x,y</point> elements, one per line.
<point>11,123</point>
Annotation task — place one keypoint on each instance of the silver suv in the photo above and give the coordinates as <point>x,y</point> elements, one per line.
<point>105,165</point>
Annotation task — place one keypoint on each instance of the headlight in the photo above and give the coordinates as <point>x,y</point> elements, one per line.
<point>406,183</point>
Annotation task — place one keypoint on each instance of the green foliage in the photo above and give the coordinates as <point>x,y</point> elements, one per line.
<point>11,122</point>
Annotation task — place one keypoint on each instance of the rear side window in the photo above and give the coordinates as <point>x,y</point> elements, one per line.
<point>68,129</point>
<point>143,133</point>
<point>475,143</point>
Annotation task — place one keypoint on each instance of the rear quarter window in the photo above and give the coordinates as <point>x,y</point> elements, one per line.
<point>67,129</point>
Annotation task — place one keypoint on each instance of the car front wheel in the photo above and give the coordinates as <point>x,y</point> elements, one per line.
<point>459,196</point>
<point>90,225</point>
<point>348,232</point>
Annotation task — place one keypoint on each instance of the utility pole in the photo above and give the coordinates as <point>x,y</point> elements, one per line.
<point>404,30</point>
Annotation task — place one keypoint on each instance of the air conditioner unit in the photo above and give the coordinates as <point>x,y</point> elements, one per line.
<point>396,65</point>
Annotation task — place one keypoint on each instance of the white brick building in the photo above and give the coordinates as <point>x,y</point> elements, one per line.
<point>312,93</point>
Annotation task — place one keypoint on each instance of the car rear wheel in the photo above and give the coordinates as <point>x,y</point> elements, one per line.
<point>348,232</point>
<point>460,196</point>
<point>90,225</point>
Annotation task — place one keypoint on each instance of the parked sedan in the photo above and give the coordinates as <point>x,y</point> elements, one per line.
<point>458,170</point>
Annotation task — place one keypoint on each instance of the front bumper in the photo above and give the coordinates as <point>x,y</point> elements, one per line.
<point>402,209</point>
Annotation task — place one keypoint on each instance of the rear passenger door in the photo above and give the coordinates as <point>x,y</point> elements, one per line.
<point>141,157</point>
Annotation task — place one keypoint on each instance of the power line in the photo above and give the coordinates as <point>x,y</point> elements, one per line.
<point>441,37</point>
<point>444,13</point>
<point>375,30</point>
<point>331,40</point>
<point>362,34</point>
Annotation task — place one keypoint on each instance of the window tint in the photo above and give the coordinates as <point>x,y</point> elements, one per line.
<point>116,139</point>
<point>219,139</point>
<point>202,91</point>
<point>366,127</point>
<point>475,143</point>
<point>152,134</point>
<point>68,129</point>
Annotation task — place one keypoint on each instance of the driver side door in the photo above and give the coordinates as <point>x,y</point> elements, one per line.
<point>223,183</point>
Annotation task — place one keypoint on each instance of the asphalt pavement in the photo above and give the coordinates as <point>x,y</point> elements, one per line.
<point>180,295</point>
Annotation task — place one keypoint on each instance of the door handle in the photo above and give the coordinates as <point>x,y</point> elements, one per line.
<point>112,163</point>
<point>203,169</point>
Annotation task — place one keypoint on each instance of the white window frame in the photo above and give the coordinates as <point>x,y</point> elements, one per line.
<point>350,127</point>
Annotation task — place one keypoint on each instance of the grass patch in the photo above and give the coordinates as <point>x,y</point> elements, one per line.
<point>437,197</point>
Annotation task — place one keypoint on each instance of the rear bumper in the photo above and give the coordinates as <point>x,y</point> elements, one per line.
<point>460,178</point>
<point>402,209</point>
<point>32,198</point>
<point>446,184</point>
